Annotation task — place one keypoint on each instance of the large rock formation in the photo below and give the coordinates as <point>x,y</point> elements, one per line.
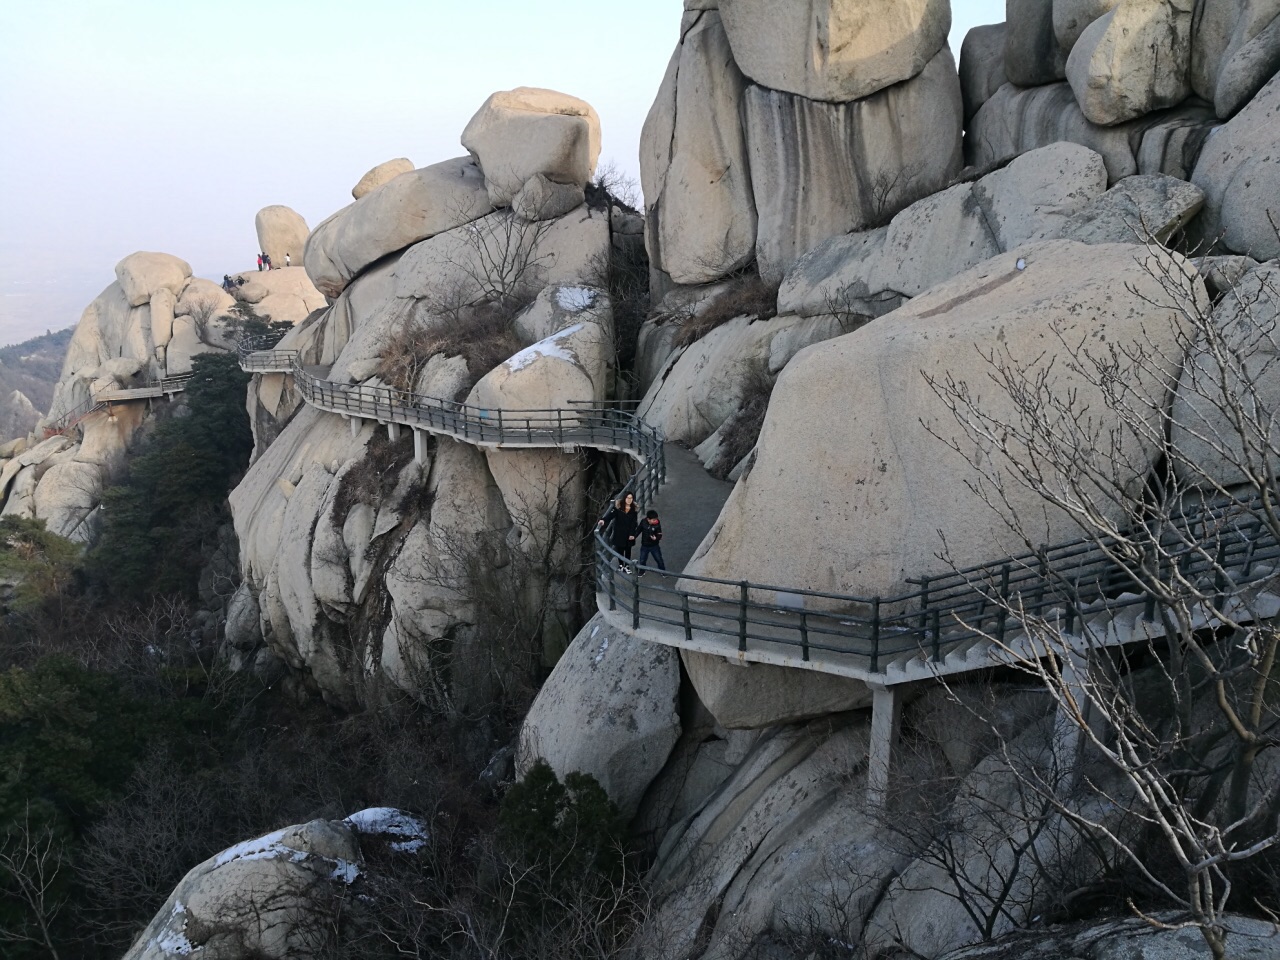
<point>835,50</point>
<point>1239,171</point>
<point>701,222</point>
<point>1133,60</point>
<point>608,709</point>
<point>821,169</point>
<point>1229,386</point>
<point>404,210</point>
<point>271,897</point>
<point>1235,50</point>
<point>527,132</point>
<point>851,490</point>
<point>382,173</point>
<point>282,234</point>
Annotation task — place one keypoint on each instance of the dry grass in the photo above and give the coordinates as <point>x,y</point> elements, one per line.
<point>749,297</point>
<point>742,430</point>
<point>482,335</point>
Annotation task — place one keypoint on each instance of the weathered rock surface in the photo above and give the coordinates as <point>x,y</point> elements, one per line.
<point>1235,50</point>
<point>1239,365</point>
<point>1070,17</point>
<point>383,173</point>
<point>521,133</point>
<point>282,234</point>
<point>543,199</point>
<point>748,696</point>
<point>700,213</point>
<point>141,274</point>
<point>981,66</point>
<point>264,898</point>
<point>409,208</point>
<point>871,273</point>
<point>608,709</point>
<point>873,489</point>
<point>200,295</point>
<point>502,253</point>
<point>1133,60</point>
<point>1135,210</point>
<point>822,169</point>
<point>835,50</point>
<point>1239,172</point>
<point>1032,55</point>
<point>702,386</point>
<point>284,295</point>
<point>1015,121</point>
<point>786,836</point>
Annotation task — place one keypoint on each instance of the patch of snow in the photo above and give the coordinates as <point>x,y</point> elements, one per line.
<point>575,299</point>
<point>344,871</point>
<point>604,646</point>
<point>392,822</point>
<point>263,848</point>
<point>550,347</point>
<point>173,942</point>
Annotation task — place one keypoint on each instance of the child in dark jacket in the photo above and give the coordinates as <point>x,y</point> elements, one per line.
<point>650,540</point>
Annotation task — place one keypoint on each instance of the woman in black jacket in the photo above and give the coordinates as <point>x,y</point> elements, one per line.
<point>625,520</point>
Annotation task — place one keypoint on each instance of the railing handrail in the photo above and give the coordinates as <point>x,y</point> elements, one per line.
<point>897,624</point>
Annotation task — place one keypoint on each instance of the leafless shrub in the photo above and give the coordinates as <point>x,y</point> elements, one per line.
<point>1189,738</point>
<point>31,860</point>
<point>372,478</point>
<point>481,334</point>
<point>749,297</point>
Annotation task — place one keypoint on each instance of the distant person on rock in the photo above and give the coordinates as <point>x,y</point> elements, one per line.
<point>266,258</point>
<point>287,260</point>
<point>623,523</point>
<point>650,540</point>
<point>227,283</point>
<point>259,263</point>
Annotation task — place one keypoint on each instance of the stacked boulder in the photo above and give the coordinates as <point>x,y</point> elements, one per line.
<point>778,126</point>
<point>1146,83</point>
<point>355,545</point>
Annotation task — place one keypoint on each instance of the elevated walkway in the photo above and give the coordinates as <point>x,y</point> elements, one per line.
<point>154,389</point>
<point>947,625</point>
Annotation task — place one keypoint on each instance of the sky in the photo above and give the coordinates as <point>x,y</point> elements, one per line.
<point>160,125</point>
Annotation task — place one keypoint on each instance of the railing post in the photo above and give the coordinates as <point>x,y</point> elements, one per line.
<point>875,635</point>
<point>684,610</point>
<point>1004,603</point>
<point>635,602</point>
<point>613,572</point>
<point>1220,575</point>
<point>937,637</point>
<point>804,635</point>
<point>742,616</point>
<point>924,603</point>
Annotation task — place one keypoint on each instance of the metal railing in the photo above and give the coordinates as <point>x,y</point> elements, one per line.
<point>98,400</point>
<point>1070,581</point>
<point>1213,551</point>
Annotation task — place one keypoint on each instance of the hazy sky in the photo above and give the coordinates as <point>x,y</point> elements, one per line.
<point>164,125</point>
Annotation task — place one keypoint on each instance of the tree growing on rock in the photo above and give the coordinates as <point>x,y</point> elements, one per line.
<point>1182,711</point>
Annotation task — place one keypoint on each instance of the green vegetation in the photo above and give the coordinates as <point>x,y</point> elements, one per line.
<point>34,564</point>
<point>158,523</point>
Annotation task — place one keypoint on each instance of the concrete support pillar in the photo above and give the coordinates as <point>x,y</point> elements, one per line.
<point>886,720</point>
<point>1068,734</point>
<point>420,447</point>
<point>356,424</point>
<point>393,432</point>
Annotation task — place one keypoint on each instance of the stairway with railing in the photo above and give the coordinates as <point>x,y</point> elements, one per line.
<point>954,623</point>
<point>152,389</point>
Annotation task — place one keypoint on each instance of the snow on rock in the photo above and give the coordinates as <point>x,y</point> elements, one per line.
<point>389,821</point>
<point>173,941</point>
<point>575,299</point>
<point>263,848</point>
<point>550,347</point>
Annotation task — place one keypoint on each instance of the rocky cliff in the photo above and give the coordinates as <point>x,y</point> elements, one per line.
<point>846,231</point>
